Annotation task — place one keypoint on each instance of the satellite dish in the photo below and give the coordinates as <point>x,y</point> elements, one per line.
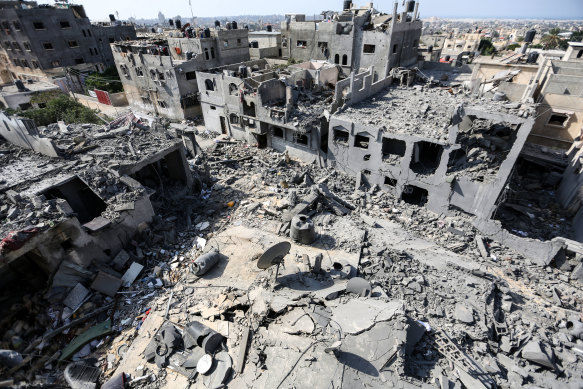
<point>274,256</point>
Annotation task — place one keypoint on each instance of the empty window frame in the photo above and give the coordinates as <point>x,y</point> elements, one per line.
<point>206,54</point>
<point>225,43</point>
<point>212,52</point>
<point>38,25</point>
<point>302,139</point>
<point>56,63</point>
<point>558,119</point>
<point>337,59</point>
<point>65,24</point>
<point>341,135</point>
<point>79,61</point>
<point>210,86</point>
<point>368,49</point>
<point>345,60</point>
<point>278,132</point>
<point>361,141</point>
<point>234,118</point>
<point>190,76</point>
<point>302,44</point>
<point>16,25</point>
<point>414,195</point>
<point>395,46</point>
<point>73,44</point>
<point>393,148</point>
<point>426,157</point>
<point>26,46</point>
<point>390,181</point>
<point>48,46</point>
<point>233,89</point>
<point>162,104</point>
<point>139,72</point>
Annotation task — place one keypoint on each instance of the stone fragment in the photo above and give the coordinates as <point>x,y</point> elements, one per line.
<point>463,313</point>
<point>534,352</point>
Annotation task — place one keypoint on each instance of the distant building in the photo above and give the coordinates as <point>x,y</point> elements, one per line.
<point>356,38</point>
<point>159,76</point>
<point>265,44</point>
<point>55,43</point>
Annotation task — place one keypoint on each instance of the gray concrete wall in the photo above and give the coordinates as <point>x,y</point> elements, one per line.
<point>477,198</point>
<point>23,132</point>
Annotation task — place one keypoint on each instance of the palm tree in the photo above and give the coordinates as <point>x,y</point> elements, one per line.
<point>551,40</point>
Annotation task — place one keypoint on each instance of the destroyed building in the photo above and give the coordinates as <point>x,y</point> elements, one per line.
<point>282,109</point>
<point>356,38</point>
<point>41,42</point>
<point>74,196</point>
<point>159,76</point>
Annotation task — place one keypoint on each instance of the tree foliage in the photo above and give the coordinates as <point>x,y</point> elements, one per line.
<point>486,47</point>
<point>552,40</point>
<point>108,81</point>
<point>513,46</point>
<point>60,107</point>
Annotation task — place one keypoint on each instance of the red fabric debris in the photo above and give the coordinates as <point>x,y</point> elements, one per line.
<point>16,239</point>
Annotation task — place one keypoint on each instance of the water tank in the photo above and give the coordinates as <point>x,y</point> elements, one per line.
<point>532,57</point>
<point>243,71</point>
<point>217,24</point>
<point>111,18</point>
<point>178,23</point>
<point>269,28</point>
<point>234,25</point>
<point>529,37</point>
<point>229,25</point>
<point>207,32</point>
<point>189,55</point>
<point>410,6</point>
<point>347,4</point>
<point>171,22</point>
<point>20,85</point>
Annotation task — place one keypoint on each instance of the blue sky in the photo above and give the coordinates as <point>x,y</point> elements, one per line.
<point>99,9</point>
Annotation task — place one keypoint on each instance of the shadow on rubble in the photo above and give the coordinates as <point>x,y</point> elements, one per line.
<point>303,281</point>
<point>325,242</point>
<point>357,363</point>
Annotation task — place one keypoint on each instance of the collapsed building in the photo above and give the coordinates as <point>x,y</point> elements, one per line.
<point>281,109</point>
<point>159,75</point>
<point>356,38</point>
<point>74,196</point>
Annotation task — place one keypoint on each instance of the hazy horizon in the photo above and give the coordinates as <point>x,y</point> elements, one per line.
<point>448,9</point>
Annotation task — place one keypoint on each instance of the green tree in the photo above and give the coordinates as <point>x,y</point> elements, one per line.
<point>513,46</point>
<point>551,40</point>
<point>62,108</point>
<point>520,39</point>
<point>108,81</point>
<point>486,47</point>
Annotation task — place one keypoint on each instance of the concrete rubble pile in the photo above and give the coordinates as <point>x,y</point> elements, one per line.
<point>372,291</point>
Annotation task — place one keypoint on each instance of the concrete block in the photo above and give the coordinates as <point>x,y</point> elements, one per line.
<point>106,284</point>
<point>577,273</point>
<point>131,274</point>
<point>534,352</point>
<point>76,296</point>
<point>463,313</point>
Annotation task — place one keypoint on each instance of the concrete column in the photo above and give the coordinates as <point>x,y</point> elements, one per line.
<point>415,14</point>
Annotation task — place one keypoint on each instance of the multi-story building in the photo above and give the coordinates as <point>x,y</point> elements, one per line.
<point>159,76</point>
<point>356,38</point>
<point>49,42</point>
<point>265,44</point>
<point>453,48</point>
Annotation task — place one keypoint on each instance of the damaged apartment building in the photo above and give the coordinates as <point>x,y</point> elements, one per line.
<point>159,75</point>
<point>426,144</point>
<point>55,43</point>
<point>73,196</point>
<point>356,38</point>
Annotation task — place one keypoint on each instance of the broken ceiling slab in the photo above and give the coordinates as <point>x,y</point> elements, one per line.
<point>97,224</point>
<point>76,296</point>
<point>297,321</point>
<point>131,274</point>
<point>106,284</point>
<point>358,315</point>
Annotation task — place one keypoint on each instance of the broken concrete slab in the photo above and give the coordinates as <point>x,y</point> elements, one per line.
<point>131,274</point>
<point>76,297</point>
<point>359,286</point>
<point>463,313</point>
<point>357,315</point>
<point>534,352</point>
<point>297,321</point>
<point>120,260</point>
<point>106,283</point>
